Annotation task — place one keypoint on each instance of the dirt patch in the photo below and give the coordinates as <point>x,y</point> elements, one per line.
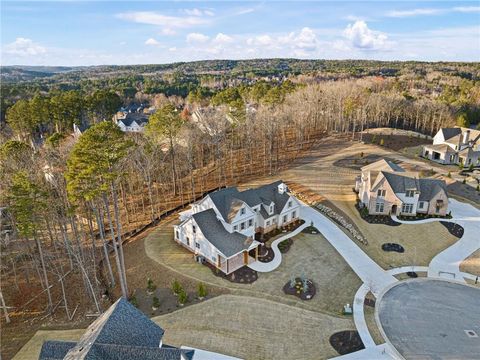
<point>346,342</point>
<point>303,289</point>
<point>358,161</point>
<point>395,142</point>
<point>453,228</point>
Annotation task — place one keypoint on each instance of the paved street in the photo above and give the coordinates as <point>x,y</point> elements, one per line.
<point>427,318</point>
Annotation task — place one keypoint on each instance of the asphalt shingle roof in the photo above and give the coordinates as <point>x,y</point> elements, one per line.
<point>431,187</point>
<point>227,243</point>
<point>122,332</point>
<point>401,183</point>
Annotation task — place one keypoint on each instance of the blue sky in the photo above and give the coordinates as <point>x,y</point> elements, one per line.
<point>128,32</point>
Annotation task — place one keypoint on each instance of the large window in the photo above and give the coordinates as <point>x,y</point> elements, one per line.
<point>379,207</point>
<point>381,193</point>
<point>294,214</point>
<point>242,226</point>
<point>407,208</point>
<point>250,222</point>
<point>194,229</point>
<point>285,218</point>
<point>410,193</point>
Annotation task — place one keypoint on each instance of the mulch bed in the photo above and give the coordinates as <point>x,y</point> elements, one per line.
<point>288,228</point>
<point>269,254</point>
<point>310,230</point>
<point>285,245</point>
<point>393,247</point>
<point>357,162</point>
<point>168,301</point>
<point>376,219</point>
<point>422,217</point>
<point>244,275</point>
<point>297,290</point>
<point>369,302</point>
<point>453,228</point>
<point>346,342</point>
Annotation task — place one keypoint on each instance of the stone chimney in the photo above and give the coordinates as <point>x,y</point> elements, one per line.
<point>466,136</point>
<point>282,188</point>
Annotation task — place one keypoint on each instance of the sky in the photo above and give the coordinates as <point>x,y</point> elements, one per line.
<point>77,33</point>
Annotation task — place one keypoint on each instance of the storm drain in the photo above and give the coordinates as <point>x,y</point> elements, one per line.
<point>471,333</point>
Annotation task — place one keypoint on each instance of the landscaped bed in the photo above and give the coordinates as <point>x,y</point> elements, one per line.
<point>267,254</point>
<point>453,228</point>
<point>393,247</point>
<point>288,228</point>
<point>375,219</point>
<point>346,342</point>
<point>303,289</point>
<point>244,275</point>
<point>285,245</point>
<point>423,217</point>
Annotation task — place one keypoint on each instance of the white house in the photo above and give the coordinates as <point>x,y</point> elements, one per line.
<point>221,227</point>
<point>132,122</point>
<point>385,188</point>
<point>454,146</point>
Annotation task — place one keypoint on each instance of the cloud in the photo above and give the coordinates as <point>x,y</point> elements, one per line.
<point>413,12</point>
<point>155,18</point>
<point>168,31</point>
<point>244,11</point>
<point>24,47</point>
<point>152,42</point>
<point>260,40</point>
<point>467,9</point>
<point>198,12</point>
<point>222,38</point>
<point>361,37</point>
<point>197,38</point>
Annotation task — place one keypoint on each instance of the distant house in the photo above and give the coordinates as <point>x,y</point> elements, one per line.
<point>79,129</point>
<point>122,333</point>
<point>385,188</point>
<point>133,122</point>
<point>221,227</point>
<point>454,146</point>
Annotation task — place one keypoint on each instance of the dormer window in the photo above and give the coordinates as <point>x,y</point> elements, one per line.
<point>410,193</point>
<point>242,211</point>
<point>381,193</point>
<point>271,209</point>
<point>290,204</point>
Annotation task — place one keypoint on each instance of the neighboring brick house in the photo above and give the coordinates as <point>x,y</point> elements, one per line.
<point>385,188</point>
<point>221,227</point>
<point>455,146</point>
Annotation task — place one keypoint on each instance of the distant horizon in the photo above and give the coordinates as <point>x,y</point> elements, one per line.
<point>81,33</point>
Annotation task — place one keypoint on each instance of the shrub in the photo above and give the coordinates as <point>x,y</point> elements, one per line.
<point>382,142</point>
<point>361,154</point>
<point>151,287</point>
<point>202,290</point>
<point>176,287</point>
<point>470,168</point>
<point>182,297</point>
<point>449,174</point>
<point>133,301</point>
<point>155,302</point>
<point>464,181</point>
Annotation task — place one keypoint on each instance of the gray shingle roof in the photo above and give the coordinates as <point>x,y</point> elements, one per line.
<point>122,332</point>
<point>52,350</point>
<point>227,243</point>
<point>139,118</point>
<point>431,187</point>
<point>226,200</point>
<point>449,133</point>
<point>401,183</point>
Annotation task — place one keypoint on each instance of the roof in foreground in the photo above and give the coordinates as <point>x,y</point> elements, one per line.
<point>382,164</point>
<point>227,243</point>
<point>121,332</point>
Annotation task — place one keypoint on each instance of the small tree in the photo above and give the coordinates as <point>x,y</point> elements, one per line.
<point>202,290</point>
<point>464,181</point>
<point>293,282</point>
<point>176,287</point>
<point>155,303</point>
<point>470,168</point>
<point>182,297</point>
<point>449,174</point>
<point>305,285</point>
<point>151,287</point>
<point>133,301</point>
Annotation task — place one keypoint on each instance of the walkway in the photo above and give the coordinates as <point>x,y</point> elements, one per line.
<point>277,259</point>
<point>447,263</point>
<point>367,270</point>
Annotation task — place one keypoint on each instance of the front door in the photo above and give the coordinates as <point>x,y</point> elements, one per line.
<point>394,210</point>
